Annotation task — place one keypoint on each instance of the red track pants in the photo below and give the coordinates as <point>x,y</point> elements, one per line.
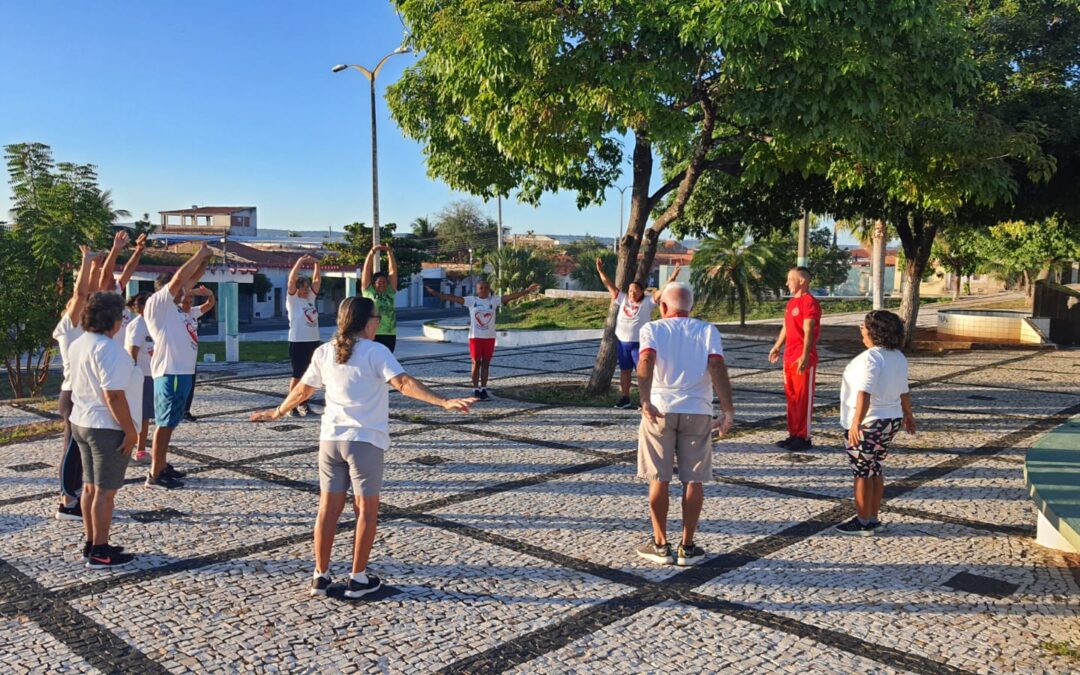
<point>799,388</point>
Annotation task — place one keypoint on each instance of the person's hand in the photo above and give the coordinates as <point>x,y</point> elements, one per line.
<point>804,363</point>
<point>88,254</point>
<point>459,404</point>
<point>723,424</point>
<point>774,355</point>
<point>599,265</point>
<point>909,424</point>
<point>120,240</point>
<point>265,416</point>
<point>202,292</point>
<point>854,436</point>
<point>141,241</point>
<point>649,412</point>
<point>204,249</point>
<point>131,439</point>
<point>675,272</point>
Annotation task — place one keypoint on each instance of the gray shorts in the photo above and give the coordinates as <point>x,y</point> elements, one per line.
<point>342,462</point>
<point>679,438</point>
<point>103,463</point>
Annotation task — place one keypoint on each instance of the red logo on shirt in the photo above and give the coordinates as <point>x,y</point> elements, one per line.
<point>795,312</point>
<point>630,311</point>
<point>311,315</point>
<point>484,319</point>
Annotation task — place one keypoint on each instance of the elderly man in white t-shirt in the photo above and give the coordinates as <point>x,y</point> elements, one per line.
<point>635,309</point>
<point>681,365</point>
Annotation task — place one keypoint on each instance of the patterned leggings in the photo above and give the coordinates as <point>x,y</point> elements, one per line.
<point>866,459</point>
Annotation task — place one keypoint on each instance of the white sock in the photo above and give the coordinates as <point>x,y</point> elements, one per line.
<point>359,577</point>
<point>323,575</point>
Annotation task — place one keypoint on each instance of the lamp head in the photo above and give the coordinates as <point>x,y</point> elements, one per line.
<point>338,68</point>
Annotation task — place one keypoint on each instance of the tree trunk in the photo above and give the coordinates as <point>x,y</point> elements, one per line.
<point>877,265</point>
<point>742,310</point>
<point>956,284</point>
<point>917,237</point>
<point>604,368</point>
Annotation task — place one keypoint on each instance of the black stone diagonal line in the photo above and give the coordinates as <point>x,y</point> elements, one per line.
<point>97,645</point>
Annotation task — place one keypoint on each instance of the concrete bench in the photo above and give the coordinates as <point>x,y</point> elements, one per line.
<point>1052,475</point>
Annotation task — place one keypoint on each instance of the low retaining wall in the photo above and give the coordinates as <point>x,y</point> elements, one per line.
<point>988,324</point>
<point>513,338</point>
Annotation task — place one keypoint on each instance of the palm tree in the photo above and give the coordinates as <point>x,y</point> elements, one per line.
<point>733,267</point>
<point>515,268</point>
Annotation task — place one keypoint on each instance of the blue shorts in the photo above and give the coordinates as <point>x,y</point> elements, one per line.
<point>170,397</point>
<point>628,354</point>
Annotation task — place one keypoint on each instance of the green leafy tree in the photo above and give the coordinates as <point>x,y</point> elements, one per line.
<point>358,241</point>
<point>958,252</point>
<point>734,269</point>
<point>56,208</point>
<point>515,268</point>
<point>585,271</point>
<point>425,235</point>
<point>461,226</point>
<point>143,226</point>
<point>542,97</point>
<point>829,264</point>
<point>1030,251</point>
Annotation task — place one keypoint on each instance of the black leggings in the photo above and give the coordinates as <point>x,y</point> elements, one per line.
<point>71,474</point>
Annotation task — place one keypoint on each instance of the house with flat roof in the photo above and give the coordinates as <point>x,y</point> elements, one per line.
<point>215,221</point>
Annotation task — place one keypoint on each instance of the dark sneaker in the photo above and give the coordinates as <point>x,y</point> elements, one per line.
<point>163,481</point>
<point>484,394</point>
<point>303,410</point>
<point>88,547</point>
<point>69,512</point>
<point>877,525</point>
<point>293,413</point>
<point>653,552</point>
<point>190,418</point>
<point>799,445</point>
<point>624,403</point>
<point>476,393</point>
<point>690,555</point>
<point>358,590</point>
<point>319,585</point>
<point>172,472</point>
<point>102,558</point>
<point>854,527</point>
<point>786,442</point>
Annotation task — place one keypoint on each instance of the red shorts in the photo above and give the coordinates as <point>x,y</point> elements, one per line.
<point>481,349</point>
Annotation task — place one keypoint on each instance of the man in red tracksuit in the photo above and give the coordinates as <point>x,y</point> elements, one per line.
<point>802,324</point>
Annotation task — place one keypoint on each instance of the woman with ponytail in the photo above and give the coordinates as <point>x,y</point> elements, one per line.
<point>354,370</point>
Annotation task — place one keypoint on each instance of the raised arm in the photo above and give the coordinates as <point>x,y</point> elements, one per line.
<point>132,263</point>
<point>204,292</point>
<point>722,386</point>
<point>295,272</point>
<point>446,297</point>
<point>120,240</point>
<point>316,276</point>
<point>520,294</point>
<point>191,270</point>
<point>366,273</point>
<point>391,270</point>
<point>660,291</point>
<point>612,288</point>
<point>82,285</point>
<point>414,388</point>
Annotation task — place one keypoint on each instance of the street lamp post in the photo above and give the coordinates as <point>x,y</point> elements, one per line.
<point>622,191</point>
<point>371,75</point>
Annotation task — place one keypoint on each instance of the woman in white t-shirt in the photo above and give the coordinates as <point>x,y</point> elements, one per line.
<point>140,345</point>
<point>874,405</point>
<point>106,393</point>
<point>354,370</point>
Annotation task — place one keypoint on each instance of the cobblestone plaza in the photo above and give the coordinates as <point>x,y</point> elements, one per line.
<point>506,538</point>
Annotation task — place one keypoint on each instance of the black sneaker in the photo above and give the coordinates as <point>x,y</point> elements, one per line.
<point>484,394</point>
<point>303,410</point>
<point>293,413</point>
<point>476,393</point>
<point>799,445</point>
<point>190,418</point>
<point>319,585</point>
<point>689,555</point>
<point>102,558</point>
<point>653,552</point>
<point>624,403</point>
<point>163,481</point>
<point>88,547</point>
<point>69,512</point>
<point>854,527</point>
<point>877,525</point>
<point>358,590</point>
<point>172,472</point>
<point>785,443</point>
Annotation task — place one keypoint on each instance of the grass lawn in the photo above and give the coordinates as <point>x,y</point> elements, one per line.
<point>562,313</point>
<point>26,432</point>
<point>255,350</point>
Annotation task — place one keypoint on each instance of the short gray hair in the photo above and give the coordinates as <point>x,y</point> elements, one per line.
<point>678,296</point>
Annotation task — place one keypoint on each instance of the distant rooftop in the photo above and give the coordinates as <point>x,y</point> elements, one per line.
<point>207,210</point>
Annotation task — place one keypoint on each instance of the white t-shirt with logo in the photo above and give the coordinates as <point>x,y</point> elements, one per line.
<point>482,315</point>
<point>303,318</point>
<point>98,365</point>
<point>683,346</point>
<point>137,335</point>
<point>632,316</point>
<point>175,335</point>
<point>65,333</point>
<point>125,321</point>
<point>882,373</point>
<point>357,399</point>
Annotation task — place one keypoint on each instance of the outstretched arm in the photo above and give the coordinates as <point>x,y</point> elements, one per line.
<point>300,393</point>
<point>612,288</point>
<point>520,294</point>
<point>414,388</point>
<point>191,270</point>
<point>109,266</point>
<point>446,297</point>
<point>132,263</point>
<point>660,291</point>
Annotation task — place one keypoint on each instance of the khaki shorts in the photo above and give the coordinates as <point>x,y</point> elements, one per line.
<point>676,438</point>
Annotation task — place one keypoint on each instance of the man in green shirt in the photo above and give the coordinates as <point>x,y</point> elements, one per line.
<point>381,287</point>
